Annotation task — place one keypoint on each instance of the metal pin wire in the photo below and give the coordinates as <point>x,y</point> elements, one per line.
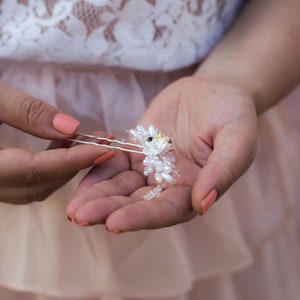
<point>103,139</point>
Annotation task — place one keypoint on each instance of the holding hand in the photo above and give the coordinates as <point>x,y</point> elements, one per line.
<point>26,176</point>
<point>213,128</point>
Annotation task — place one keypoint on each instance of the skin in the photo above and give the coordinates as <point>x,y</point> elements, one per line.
<point>212,118</point>
<point>210,155</point>
<point>25,176</point>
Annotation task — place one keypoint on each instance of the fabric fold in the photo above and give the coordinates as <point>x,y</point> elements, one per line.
<point>56,258</point>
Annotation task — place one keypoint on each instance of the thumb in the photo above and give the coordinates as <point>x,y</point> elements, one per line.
<point>231,157</point>
<point>32,115</point>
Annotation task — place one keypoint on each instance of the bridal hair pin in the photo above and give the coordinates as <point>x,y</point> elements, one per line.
<point>159,160</point>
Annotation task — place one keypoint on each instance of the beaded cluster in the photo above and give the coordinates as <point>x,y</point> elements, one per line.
<point>159,159</point>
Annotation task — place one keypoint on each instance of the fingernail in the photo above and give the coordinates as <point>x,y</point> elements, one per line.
<point>104,157</point>
<point>65,124</point>
<point>84,224</point>
<point>208,201</point>
<point>111,137</point>
<point>113,231</point>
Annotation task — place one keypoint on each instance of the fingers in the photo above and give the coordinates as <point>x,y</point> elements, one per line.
<point>171,208</point>
<point>131,213</point>
<point>20,167</point>
<point>102,172</point>
<point>64,162</point>
<point>94,204</point>
<point>32,115</point>
<point>26,177</point>
<point>233,153</point>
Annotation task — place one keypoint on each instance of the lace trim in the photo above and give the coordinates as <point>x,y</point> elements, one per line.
<point>140,34</point>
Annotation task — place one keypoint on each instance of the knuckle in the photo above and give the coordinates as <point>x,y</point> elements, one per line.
<point>32,110</point>
<point>31,177</point>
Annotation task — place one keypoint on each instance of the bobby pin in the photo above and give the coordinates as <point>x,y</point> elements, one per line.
<point>121,144</point>
<point>159,160</point>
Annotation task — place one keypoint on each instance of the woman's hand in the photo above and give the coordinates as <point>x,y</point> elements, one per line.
<point>26,176</point>
<point>213,128</point>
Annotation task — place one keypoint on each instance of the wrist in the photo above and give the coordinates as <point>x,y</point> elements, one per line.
<point>241,78</point>
<point>243,88</point>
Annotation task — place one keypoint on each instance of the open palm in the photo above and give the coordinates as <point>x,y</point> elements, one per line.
<point>213,128</point>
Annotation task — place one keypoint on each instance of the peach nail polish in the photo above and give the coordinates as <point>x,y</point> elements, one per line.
<point>111,137</point>
<point>104,157</point>
<point>65,124</point>
<point>208,201</point>
<point>113,231</point>
<point>85,224</point>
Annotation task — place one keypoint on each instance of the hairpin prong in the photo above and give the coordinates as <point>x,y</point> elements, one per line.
<point>156,147</point>
<point>122,145</point>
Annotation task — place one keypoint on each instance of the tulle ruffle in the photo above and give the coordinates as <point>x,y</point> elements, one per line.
<point>246,231</point>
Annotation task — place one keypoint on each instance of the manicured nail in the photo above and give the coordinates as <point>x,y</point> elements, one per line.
<point>65,124</point>
<point>111,137</point>
<point>113,231</point>
<point>84,224</point>
<point>104,157</point>
<point>208,201</point>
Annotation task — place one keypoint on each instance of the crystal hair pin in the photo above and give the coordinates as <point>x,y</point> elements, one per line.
<point>157,148</point>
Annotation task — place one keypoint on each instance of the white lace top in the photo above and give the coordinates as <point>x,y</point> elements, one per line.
<point>138,34</point>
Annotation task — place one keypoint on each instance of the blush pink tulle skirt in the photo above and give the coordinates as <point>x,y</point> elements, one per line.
<point>246,247</point>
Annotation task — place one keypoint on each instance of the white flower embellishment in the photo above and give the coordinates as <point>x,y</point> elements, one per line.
<point>159,159</point>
